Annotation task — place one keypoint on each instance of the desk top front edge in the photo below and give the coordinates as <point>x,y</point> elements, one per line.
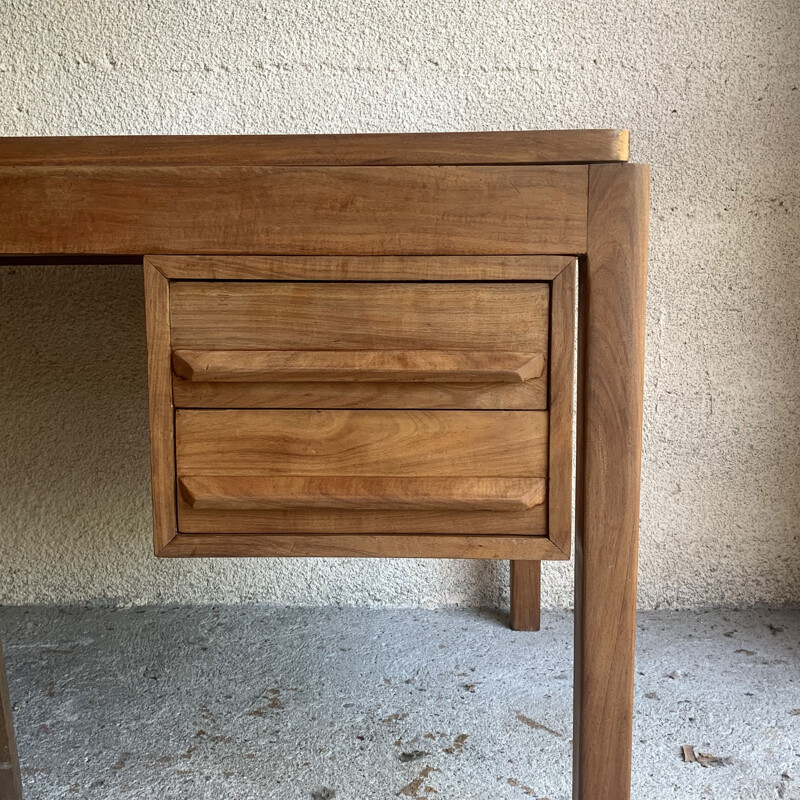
<point>386,149</point>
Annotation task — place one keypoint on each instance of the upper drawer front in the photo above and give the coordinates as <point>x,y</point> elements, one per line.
<point>350,345</point>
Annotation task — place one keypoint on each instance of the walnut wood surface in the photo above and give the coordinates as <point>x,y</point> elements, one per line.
<point>321,521</point>
<point>222,315</point>
<point>299,208</point>
<point>495,147</point>
<point>530,395</point>
<point>467,444</point>
<point>562,368</point>
<point>159,381</point>
<point>360,268</point>
<point>526,592</point>
<point>10,782</point>
<point>232,545</point>
<point>453,318</point>
<point>363,493</point>
<point>340,444</point>
<point>526,575</point>
<point>611,367</point>
<point>294,210</point>
<point>359,366</point>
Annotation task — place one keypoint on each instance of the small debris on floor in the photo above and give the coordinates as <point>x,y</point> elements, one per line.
<point>458,744</point>
<point>708,760</point>
<point>532,723</point>
<point>526,790</point>
<point>413,789</point>
<point>121,761</point>
<point>413,755</point>
<point>351,716</point>
<point>703,759</point>
<point>274,696</point>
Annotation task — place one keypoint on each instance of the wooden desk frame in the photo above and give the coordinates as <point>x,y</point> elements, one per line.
<point>89,197</point>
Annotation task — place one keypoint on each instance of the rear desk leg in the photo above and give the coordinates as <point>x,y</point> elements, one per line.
<point>526,595</point>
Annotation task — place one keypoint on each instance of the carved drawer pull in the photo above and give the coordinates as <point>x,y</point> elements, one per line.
<point>431,366</point>
<point>362,493</point>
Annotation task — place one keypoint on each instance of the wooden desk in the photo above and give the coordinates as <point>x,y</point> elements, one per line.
<point>363,346</point>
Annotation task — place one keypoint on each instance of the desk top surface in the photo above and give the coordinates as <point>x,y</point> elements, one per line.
<point>490,147</point>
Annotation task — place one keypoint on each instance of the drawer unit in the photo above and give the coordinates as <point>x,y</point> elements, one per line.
<point>414,414</point>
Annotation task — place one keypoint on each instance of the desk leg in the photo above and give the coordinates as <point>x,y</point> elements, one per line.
<point>612,289</point>
<point>526,590</point>
<point>10,785</point>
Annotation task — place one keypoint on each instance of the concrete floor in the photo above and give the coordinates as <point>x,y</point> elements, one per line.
<point>248,702</point>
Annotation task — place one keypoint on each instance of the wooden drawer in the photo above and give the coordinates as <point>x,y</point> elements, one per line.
<point>359,345</point>
<point>414,414</point>
<point>344,471</point>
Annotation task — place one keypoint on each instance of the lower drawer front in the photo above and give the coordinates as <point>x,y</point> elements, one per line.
<point>344,471</point>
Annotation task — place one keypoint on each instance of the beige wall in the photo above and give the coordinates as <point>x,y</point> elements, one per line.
<point>710,91</point>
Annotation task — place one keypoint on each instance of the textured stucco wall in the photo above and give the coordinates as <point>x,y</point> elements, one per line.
<point>710,91</point>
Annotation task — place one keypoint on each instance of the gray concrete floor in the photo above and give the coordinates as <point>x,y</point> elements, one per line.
<point>247,702</point>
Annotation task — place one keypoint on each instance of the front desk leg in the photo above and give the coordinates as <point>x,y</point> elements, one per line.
<point>10,784</point>
<point>612,288</point>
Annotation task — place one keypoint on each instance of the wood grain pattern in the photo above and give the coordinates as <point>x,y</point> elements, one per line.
<point>359,366</point>
<point>361,268</point>
<point>526,575</point>
<point>562,369</point>
<point>10,782</point>
<point>318,212</point>
<point>294,210</point>
<point>611,376</point>
<point>454,318</point>
<point>400,444</point>
<point>526,590</point>
<point>502,444</point>
<point>529,395</point>
<point>227,545</point>
<point>221,315</point>
<point>363,493</point>
<point>159,381</point>
<point>402,521</point>
<point>495,147</point>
